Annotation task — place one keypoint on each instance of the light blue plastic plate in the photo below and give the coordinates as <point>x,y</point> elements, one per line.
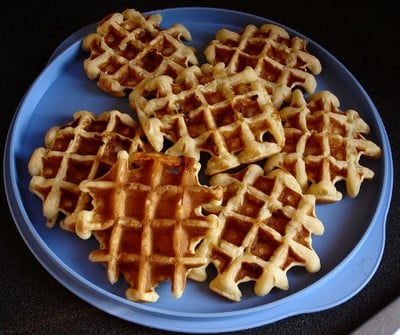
<point>350,249</point>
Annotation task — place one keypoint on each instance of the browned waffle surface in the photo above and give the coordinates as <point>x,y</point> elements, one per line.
<point>265,228</point>
<point>228,116</point>
<point>83,149</point>
<point>276,57</point>
<point>324,146</point>
<point>135,188</point>
<point>129,46</point>
<point>150,206</point>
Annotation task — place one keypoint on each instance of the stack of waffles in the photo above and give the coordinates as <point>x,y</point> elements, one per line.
<point>249,118</point>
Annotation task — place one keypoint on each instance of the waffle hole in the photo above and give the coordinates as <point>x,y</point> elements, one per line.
<point>167,204</point>
<point>264,245</point>
<point>267,137</point>
<point>249,270</point>
<point>151,61</point>
<point>235,230</point>
<point>163,240</point>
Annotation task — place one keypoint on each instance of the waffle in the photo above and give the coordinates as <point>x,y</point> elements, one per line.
<point>324,146</point>
<point>265,229</point>
<point>82,149</point>
<point>205,109</point>
<point>281,60</point>
<point>129,46</point>
<point>151,207</point>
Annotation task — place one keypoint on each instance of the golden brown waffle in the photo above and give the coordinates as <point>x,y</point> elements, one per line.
<point>324,146</point>
<point>276,57</point>
<point>265,228</point>
<point>151,207</point>
<point>129,46</point>
<point>82,149</point>
<point>205,109</point>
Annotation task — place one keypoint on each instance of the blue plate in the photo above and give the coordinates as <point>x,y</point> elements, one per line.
<point>350,249</point>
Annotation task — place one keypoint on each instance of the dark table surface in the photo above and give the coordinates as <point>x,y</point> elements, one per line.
<point>363,36</point>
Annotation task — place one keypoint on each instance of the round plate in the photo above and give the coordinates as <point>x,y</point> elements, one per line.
<point>351,246</point>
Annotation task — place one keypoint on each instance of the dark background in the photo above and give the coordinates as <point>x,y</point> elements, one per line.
<point>363,36</point>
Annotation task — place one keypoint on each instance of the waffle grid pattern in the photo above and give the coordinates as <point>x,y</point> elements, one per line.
<point>129,47</point>
<point>152,205</point>
<point>230,117</point>
<point>82,149</point>
<point>136,188</point>
<point>266,227</point>
<point>324,146</point>
<point>269,50</point>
